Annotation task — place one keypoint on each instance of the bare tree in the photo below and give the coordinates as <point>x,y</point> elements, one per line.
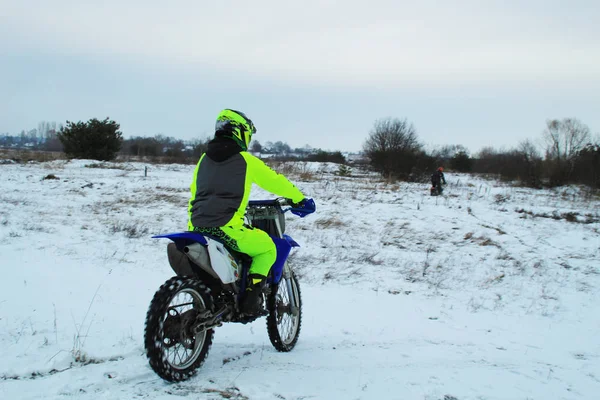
<point>532,163</point>
<point>564,139</point>
<point>392,146</point>
<point>256,147</point>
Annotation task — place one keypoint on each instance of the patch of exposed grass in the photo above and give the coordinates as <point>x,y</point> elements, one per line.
<point>173,189</point>
<point>369,258</point>
<point>168,198</point>
<point>107,165</point>
<point>25,156</point>
<point>569,216</point>
<point>132,230</point>
<point>38,228</point>
<point>331,222</point>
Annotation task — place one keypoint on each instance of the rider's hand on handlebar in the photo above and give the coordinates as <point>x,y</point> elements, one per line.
<point>305,206</point>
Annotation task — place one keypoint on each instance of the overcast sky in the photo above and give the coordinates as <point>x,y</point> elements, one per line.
<point>314,72</point>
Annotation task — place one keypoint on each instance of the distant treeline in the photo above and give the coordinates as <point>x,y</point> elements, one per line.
<point>568,154</point>
<point>159,148</point>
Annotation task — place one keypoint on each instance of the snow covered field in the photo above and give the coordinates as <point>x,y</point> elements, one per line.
<point>489,292</point>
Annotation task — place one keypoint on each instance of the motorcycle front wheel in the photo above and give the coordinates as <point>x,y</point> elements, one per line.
<point>174,350</point>
<point>285,317</point>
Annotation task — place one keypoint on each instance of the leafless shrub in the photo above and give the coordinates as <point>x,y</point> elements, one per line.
<point>468,235</point>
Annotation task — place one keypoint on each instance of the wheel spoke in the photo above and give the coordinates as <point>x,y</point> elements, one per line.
<point>183,348</point>
<point>287,323</point>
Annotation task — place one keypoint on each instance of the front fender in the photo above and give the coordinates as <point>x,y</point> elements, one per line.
<point>291,241</point>
<point>284,246</point>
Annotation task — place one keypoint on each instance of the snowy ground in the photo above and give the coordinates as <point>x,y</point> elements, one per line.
<point>489,292</point>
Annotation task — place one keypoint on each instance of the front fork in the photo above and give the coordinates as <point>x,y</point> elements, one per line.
<point>287,276</point>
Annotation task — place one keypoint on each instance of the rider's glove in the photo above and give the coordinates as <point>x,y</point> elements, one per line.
<point>304,207</point>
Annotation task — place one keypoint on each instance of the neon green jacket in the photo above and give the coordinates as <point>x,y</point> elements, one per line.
<point>221,189</point>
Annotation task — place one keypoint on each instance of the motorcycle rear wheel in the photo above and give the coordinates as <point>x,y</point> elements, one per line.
<point>173,349</point>
<point>283,323</point>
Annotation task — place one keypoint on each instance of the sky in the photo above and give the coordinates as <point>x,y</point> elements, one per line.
<point>316,72</point>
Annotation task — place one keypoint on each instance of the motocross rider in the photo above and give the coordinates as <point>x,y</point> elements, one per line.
<point>220,192</point>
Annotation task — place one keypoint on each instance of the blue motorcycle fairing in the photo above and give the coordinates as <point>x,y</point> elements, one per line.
<point>283,245</point>
<point>179,237</point>
<point>291,241</point>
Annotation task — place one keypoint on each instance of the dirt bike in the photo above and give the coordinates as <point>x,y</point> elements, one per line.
<point>206,293</point>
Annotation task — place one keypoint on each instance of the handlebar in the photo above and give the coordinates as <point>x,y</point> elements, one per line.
<point>274,202</point>
<point>282,202</point>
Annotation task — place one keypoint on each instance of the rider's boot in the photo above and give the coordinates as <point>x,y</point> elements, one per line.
<point>252,300</point>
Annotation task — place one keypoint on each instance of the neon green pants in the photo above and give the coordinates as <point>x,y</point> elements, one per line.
<point>252,241</point>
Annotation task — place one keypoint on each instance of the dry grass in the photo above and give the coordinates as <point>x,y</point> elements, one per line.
<point>300,170</point>
<point>23,156</point>
<point>331,222</point>
<point>483,241</point>
<point>570,216</point>
<point>172,189</point>
<point>110,165</point>
<point>132,230</point>
<point>229,393</point>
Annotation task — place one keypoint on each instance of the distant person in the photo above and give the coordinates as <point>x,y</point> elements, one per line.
<point>437,178</point>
